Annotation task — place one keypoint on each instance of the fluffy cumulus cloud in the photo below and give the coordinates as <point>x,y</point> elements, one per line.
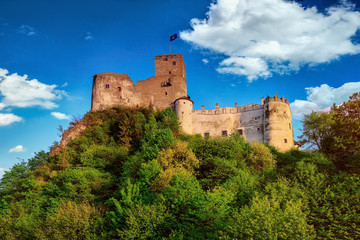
<point>19,91</point>
<point>8,118</point>
<point>18,148</point>
<point>60,116</point>
<point>263,37</point>
<point>323,97</point>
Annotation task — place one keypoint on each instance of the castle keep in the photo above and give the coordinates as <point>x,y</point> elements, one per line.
<point>268,122</point>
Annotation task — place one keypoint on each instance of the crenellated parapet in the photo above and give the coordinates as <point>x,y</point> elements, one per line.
<point>275,99</point>
<point>228,110</point>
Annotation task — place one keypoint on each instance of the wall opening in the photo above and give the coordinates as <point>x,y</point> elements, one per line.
<point>107,85</point>
<point>240,131</point>
<point>224,133</point>
<point>174,63</point>
<point>285,140</point>
<point>289,125</point>
<point>206,134</point>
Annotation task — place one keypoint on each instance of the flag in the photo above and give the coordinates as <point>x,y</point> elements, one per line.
<point>173,37</point>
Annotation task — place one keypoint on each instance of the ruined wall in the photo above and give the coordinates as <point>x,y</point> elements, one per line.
<point>112,89</point>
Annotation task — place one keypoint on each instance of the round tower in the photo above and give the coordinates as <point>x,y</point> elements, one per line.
<point>112,89</point>
<point>278,130</point>
<point>183,109</point>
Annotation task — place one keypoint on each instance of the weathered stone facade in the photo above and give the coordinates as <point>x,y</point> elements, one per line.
<point>268,122</point>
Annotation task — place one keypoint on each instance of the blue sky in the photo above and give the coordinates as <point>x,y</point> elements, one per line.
<point>234,51</point>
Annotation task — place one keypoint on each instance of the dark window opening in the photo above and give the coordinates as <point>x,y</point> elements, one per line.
<point>285,140</point>
<point>107,85</point>
<point>258,129</point>
<point>289,126</point>
<point>174,63</point>
<point>119,89</point>
<point>206,134</point>
<point>165,93</point>
<point>182,112</point>
<point>169,72</point>
<point>224,133</point>
<point>240,131</point>
<point>184,102</point>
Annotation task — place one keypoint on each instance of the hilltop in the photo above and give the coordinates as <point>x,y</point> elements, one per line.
<point>130,173</point>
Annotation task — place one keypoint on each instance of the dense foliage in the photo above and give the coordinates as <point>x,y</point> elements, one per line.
<point>336,133</point>
<point>132,175</point>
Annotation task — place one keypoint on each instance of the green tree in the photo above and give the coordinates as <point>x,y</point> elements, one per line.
<point>317,130</point>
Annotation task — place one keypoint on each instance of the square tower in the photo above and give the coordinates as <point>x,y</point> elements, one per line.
<point>172,64</point>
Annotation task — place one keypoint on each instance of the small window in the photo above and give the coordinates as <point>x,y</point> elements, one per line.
<point>169,72</point>
<point>182,112</point>
<point>107,85</point>
<point>206,134</point>
<point>224,133</point>
<point>174,63</point>
<point>119,89</point>
<point>289,126</point>
<point>240,131</point>
<point>258,129</point>
<point>184,102</point>
<point>285,140</point>
<point>165,93</point>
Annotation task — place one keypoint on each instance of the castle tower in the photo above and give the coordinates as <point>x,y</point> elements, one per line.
<point>172,64</point>
<point>278,130</point>
<point>183,109</point>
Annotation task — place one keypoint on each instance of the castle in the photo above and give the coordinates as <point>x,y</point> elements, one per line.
<point>268,122</point>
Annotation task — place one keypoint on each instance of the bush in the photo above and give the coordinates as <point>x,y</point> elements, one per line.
<point>260,157</point>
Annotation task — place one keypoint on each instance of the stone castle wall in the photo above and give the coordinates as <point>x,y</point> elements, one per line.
<point>268,122</point>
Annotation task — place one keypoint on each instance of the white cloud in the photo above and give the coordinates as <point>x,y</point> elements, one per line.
<point>88,36</point>
<point>27,30</point>
<point>205,61</point>
<point>19,91</point>
<point>64,85</point>
<point>263,37</point>
<point>323,97</point>
<point>8,118</point>
<point>18,148</point>
<point>2,172</point>
<point>60,116</point>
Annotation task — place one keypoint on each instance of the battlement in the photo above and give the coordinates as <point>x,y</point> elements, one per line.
<point>168,57</point>
<point>276,99</point>
<point>228,110</point>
